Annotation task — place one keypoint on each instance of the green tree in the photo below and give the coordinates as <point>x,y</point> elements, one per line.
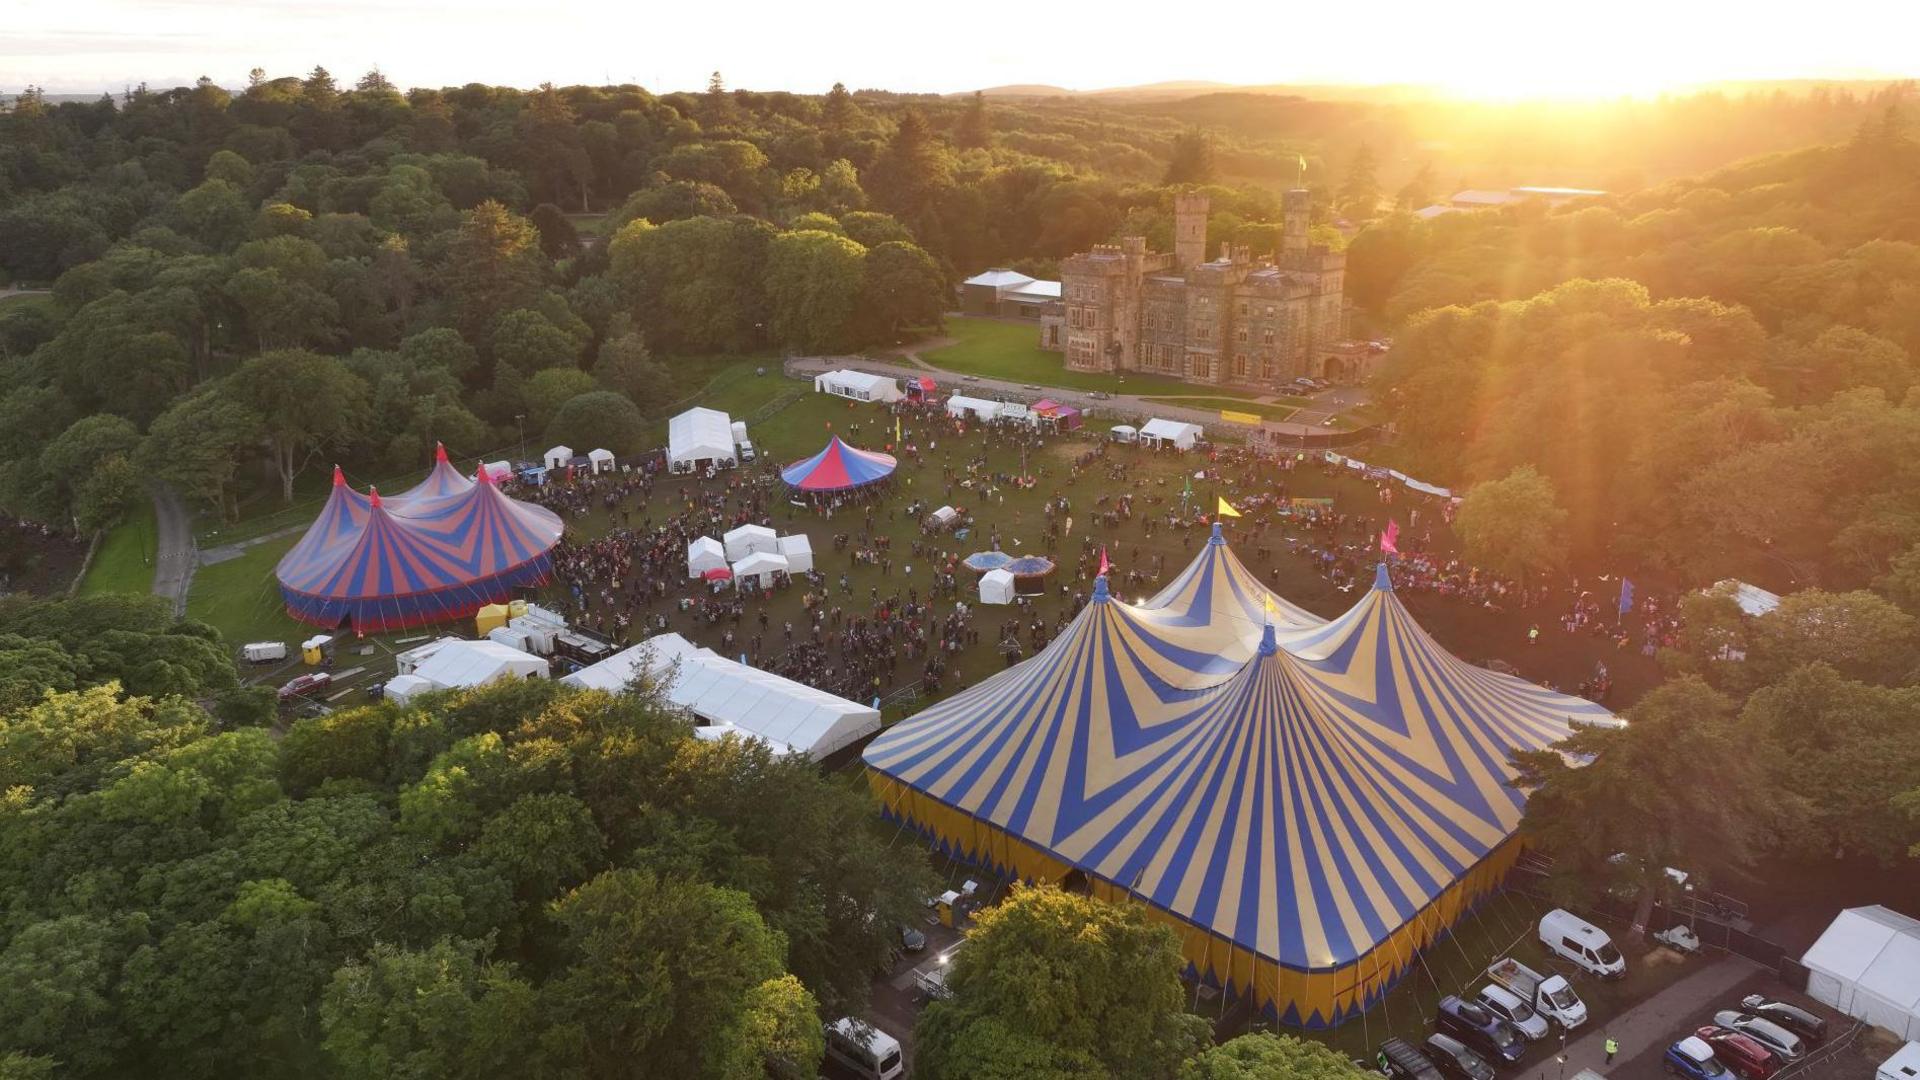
<point>493,265</point>
<point>440,347</point>
<point>309,404</point>
<point>1512,525</point>
<point>1360,190</point>
<point>1063,985</point>
<point>901,286</point>
<point>1191,160</point>
<point>1863,636</point>
<point>436,1013</point>
<point>230,167</point>
<point>1642,794</point>
<point>1264,1055</point>
<point>973,130</point>
<point>814,284</point>
<point>526,340</point>
<point>558,238</point>
<point>548,390</point>
<point>697,285</point>
<point>1417,192</point>
<point>197,446</point>
<point>599,419</point>
<point>626,366</point>
<point>215,213</point>
<point>64,1000</point>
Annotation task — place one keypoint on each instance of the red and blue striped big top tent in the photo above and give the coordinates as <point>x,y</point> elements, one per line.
<point>441,555</point>
<point>838,468</point>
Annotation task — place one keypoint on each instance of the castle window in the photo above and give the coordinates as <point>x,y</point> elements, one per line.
<point>1241,334</point>
<point>1266,335</point>
<point>1243,307</point>
<point>1240,365</point>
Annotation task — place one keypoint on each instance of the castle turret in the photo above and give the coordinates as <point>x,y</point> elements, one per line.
<point>1298,207</point>
<point>1189,229</point>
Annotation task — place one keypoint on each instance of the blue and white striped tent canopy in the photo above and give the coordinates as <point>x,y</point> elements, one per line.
<point>1305,806</point>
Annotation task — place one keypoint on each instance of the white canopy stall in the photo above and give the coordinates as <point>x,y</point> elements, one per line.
<point>1181,436</point>
<point>757,570</point>
<point>699,437</point>
<point>558,457</point>
<point>944,516</point>
<point>1124,432</point>
<point>1867,965</point>
<point>1753,600</point>
<point>732,698</point>
<point>402,689</point>
<point>978,408</point>
<point>459,663</point>
<point>798,551</point>
<point>749,539</point>
<point>705,554</point>
<point>602,460</point>
<point>996,587</point>
<point>857,386</point>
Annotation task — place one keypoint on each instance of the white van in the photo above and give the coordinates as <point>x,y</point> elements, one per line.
<point>1570,937</point>
<point>864,1050</point>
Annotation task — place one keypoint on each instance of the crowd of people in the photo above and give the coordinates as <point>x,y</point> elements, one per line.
<point>911,621</point>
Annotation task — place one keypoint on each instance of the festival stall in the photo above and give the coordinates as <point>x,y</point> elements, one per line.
<point>944,517</point>
<point>700,438</point>
<point>1029,572</point>
<point>961,407</point>
<point>857,386</point>
<point>601,460</point>
<point>996,587</point>
<point>1178,434</point>
<point>749,540</point>
<point>705,554</point>
<point>981,562</point>
<point>756,570</point>
<point>798,551</point>
<point>923,388</point>
<point>1124,433</point>
<point>558,457</point>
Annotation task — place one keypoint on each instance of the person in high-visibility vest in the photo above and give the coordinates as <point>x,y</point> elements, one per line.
<point>1612,1049</point>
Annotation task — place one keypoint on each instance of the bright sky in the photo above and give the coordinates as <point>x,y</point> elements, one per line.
<point>1493,48</point>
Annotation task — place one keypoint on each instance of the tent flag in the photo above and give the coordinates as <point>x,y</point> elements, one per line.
<point>1390,537</point>
<point>1103,560</point>
<point>897,440</point>
<point>1626,595</point>
<point>1226,508</point>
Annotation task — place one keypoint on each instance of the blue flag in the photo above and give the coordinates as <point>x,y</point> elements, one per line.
<point>1626,595</point>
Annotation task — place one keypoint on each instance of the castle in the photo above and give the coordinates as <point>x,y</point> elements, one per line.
<point>1228,320</point>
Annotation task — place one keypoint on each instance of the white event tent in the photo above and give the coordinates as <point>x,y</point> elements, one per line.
<point>757,569</point>
<point>749,539</point>
<point>602,460</point>
<point>699,437</point>
<point>798,551</point>
<point>978,408</point>
<point>857,386</point>
<point>1182,435</point>
<point>456,663</point>
<point>1867,965</point>
<point>1125,432</point>
<point>731,697</point>
<point>996,587</point>
<point>703,555</point>
<point>558,457</point>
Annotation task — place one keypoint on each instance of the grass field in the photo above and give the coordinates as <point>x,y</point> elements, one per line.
<point>1010,350</point>
<point>124,562</point>
<point>9,304</point>
<point>1260,409</point>
<point>241,599</point>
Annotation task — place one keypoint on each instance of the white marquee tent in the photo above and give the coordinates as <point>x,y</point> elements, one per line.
<point>757,569</point>
<point>703,555</point>
<point>1181,435</point>
<point>1125,432</point>
<point>978,408</point>
<point>996,587</point>
<point>749,539</point>
<point>1867,965</point>
<point>699,437</point>
<point>944,516</point>
<point>602,460</point>
<point>459,663</point>
<point>857,386</point>
<point>798,551</point>
<point>732,697</point>
<point>558,457</point>
<point>499,470</point>
<point>403,688</point>
<point>1753,600</point>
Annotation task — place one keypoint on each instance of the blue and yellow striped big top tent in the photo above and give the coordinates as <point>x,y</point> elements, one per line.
<point>1307,803</point>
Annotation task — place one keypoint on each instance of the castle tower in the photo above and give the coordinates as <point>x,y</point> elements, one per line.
<point>1189,229</point>
<point>1298,207</point>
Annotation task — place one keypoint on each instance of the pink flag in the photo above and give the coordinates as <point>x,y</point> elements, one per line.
<point>1390,537</point>
<point>1103,558</point>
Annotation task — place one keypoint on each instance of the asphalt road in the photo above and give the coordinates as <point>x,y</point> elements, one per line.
<point>174,557</point>
<point>1315,414</point>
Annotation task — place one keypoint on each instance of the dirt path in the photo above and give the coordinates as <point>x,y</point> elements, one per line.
<point>174,557</point>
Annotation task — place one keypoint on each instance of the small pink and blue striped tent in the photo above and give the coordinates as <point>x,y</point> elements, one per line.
<point>838,468</point>
<point>444,482</point>
<point>436,559</point>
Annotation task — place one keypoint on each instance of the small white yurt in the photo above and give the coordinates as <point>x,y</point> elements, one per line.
<point>756,570</point>
<point>945,515</point>
<point>798,551</point>
<point>703,555</point>
<point>558,457</point>
<point>996,587</point>
<point>749,540</point>
<point>602,460</point>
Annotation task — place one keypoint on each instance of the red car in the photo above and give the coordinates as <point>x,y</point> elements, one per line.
<point>1741,1054</point>
<point>306,684</point>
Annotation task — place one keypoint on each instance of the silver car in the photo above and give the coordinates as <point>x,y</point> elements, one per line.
<point>1765,1032</point>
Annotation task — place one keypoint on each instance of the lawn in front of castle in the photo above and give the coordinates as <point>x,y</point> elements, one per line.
<point>1006,349</point>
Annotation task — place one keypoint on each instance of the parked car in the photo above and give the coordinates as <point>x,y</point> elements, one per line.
<point>1741,1054</point>
<point>969,378</point>
<point>1811,1029</point>
<point>1398,1059</point>
<point>310,683</point>
<point>1693,1059</point>
<point>1454,1060</point>
<point>863,1050</point>
<point>1031,386</point>
<point>1496,1040</point>
<point>1099,395</point>
<point>1506,1005</point>
<point>912,940</point>
<point>1571,937</point>
<point>1549,994</point>
<point>1765,1032</point>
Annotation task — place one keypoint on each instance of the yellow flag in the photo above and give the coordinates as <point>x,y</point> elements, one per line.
<point>896,430</point>
<point>1226,508</point>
